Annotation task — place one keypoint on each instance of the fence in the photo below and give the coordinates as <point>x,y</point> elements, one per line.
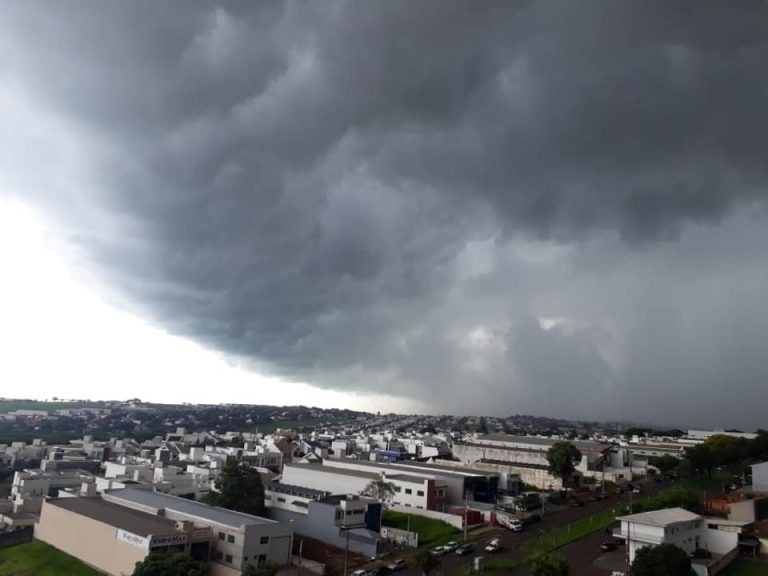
<point>400,537</point>
<point>452,519</point>
<point>16,536</point>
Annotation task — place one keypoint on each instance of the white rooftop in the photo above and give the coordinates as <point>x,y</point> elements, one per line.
<point>155,502</point>
<point>661,517</point>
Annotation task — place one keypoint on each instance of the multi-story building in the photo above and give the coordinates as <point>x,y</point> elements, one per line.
<point>342,521</point>
<point>238,539</point>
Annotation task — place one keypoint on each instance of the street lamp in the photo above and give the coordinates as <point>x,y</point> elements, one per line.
<point>348,529</point>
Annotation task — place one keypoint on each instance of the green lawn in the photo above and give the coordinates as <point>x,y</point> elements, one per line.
<point>38,559</point>
<point>430,531</point>
<point>10,406</point>
<point>561,536</point>
<point>746,568</point>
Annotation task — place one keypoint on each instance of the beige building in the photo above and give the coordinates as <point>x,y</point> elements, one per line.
<point>113,538</point>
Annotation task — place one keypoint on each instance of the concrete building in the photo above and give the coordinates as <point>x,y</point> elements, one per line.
<point>238,539</point>
<point>460,482</point>
<point>685,530</point>
<point>760,477</point>
<point>113,538</point>
<point>337,520</point>
<point>527,456</point>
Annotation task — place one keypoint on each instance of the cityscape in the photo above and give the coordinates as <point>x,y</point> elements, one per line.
<point>383,287</point>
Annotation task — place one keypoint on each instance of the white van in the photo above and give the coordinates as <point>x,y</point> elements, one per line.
<point>515,524</point>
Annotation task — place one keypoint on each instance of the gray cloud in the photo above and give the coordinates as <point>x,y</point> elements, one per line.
<point>495,207</point>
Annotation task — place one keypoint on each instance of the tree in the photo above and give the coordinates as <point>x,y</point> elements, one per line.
<point>239,488</point>
<point>665,464</point>
<point>701,457</point>
<point>563,457</point>
<point>170,564</point>
<point>266,569</point>
<point>425,562</point>
<point>381,490</point>
<point>548,565</point>
<point>662,560</point>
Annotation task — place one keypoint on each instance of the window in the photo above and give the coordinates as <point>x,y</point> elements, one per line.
<point>221,535</point>
<point>357,512</point>
<point>712,526</point>
<point>264,540</point>
<point>397,488</point>
<point>230,539</point>
<point>280,499</point>
<point>408,491</point>
<point>228,558</point>
<point>245,558</point>
<point>420,493</point>
<point>267,496</point>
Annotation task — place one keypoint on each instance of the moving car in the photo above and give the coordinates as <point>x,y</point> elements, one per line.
<point>515,524</point>
<point>465,549</point>
<point>493,546</point>
<point>396,565</point>
<point>608,546</point>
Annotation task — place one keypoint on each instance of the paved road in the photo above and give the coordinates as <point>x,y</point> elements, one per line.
<point>580,554</point>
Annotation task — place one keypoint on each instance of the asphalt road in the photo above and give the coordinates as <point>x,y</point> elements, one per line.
<point>580,554</point>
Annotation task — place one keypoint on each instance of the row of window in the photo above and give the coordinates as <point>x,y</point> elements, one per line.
<point>410,491</point>
<point>231,539</point>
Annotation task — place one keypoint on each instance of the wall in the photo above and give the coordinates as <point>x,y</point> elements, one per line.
<point>320,523</point>
<point>760,477</point>
<point>453,520</point>
<point>744,511</point>
<point>16,536</point>
<point>90,541</point>
<point>321,478</point>
<point>718,541</point>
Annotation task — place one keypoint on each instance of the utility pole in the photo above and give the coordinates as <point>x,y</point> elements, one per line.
<point>466,513</point>
<point>346,552</point>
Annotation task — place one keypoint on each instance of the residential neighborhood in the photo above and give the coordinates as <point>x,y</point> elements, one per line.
<point>357,492</point>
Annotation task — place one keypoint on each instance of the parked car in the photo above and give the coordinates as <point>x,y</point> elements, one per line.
<point>618,573</point>
<point>493,546</point>
<point>465,549</point>
<point>361,573</point>
<point>577,504</point>
<point>608,546</point>
<point>438,551</point>
<point>450,546</point>
<point>382,571</point>
<point>515,524</point>
<point>396,565</point>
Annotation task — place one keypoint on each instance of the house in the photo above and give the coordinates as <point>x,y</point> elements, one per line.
<point>711,543</point>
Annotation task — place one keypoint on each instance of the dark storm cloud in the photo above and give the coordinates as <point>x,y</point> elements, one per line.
<point>420,198</point>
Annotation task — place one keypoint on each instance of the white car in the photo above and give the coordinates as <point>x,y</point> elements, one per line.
<point>515,524</point>
<point>361,573</point>
<point>493,546</point>
<point>451,546</point>
<point>439,551</point>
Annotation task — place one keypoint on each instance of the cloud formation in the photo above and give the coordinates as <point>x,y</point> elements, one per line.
<point>540,207</point>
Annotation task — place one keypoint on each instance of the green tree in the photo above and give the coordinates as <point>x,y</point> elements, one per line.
<point>170,564</point>
<point>239,488</point>
<point>666,463</point>
<point>701,457</point>
<point>425,562</point>
<point>662,560</point>
<point>548,565</point>
<point>563,457</point>
<point>266,569</point>
<point>381,490</point>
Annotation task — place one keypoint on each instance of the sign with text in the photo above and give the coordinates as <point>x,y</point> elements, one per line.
<point>168,540</point>
<point>133,539</point>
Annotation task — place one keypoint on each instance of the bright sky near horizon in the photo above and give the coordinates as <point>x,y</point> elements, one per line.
<point>59,338</point>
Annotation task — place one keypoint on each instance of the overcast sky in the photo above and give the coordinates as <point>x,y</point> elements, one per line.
<point>555,208</point>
